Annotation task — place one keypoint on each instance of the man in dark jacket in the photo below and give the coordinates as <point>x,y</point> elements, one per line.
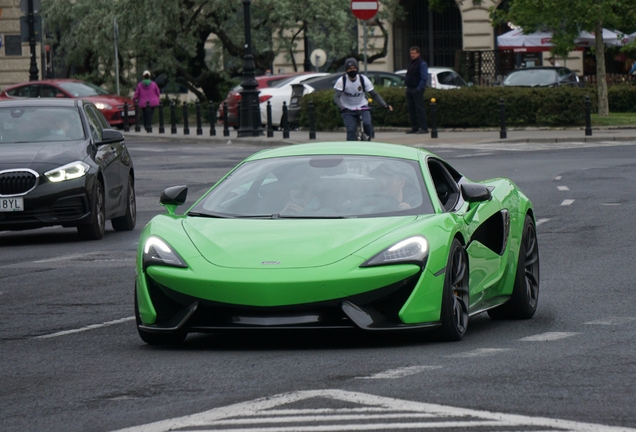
<point>416,78</point>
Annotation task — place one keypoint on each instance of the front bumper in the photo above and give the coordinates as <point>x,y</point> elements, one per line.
<point>374,310</point>
<point>50,204</point>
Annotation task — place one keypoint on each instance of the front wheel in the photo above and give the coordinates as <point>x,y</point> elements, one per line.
<point>454,313</point>
<point>95,229</point>
<point>525,293</point>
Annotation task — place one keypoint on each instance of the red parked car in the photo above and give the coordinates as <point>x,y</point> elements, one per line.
<point>111,106</point>
<point>233,97</point>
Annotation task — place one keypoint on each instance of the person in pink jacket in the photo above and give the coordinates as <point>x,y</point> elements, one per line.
<point>147,91</point>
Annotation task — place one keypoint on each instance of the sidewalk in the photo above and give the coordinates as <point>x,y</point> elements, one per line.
<point>445,136</point>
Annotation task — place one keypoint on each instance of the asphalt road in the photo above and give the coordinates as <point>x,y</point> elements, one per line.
<point>71,359</point>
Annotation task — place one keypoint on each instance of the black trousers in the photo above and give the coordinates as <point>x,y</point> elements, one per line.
<point>415,106</point>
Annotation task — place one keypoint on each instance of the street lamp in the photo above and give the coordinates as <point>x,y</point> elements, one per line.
<point>33,69</point>
<point>250,115</point>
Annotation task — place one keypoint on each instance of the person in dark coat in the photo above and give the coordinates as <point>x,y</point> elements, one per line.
<point>416,78</point>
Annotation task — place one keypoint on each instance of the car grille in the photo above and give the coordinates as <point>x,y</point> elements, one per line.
<point>17,182</point>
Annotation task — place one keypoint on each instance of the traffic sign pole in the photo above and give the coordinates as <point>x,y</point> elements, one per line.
<point>364,10</point>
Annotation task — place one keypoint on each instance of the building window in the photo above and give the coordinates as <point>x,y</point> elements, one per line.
<point>12,45</point>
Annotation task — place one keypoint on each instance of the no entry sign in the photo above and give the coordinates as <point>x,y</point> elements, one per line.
<point>364,9</point>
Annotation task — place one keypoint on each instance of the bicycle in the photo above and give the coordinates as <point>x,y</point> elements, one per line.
<point>360,135</point>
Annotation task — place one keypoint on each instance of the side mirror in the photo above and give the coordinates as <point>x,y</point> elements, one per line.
<point>475,192</point>
<point>111,135</point>
<point>173,197</point>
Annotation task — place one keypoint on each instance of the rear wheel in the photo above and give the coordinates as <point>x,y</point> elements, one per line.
<point>525,294</point>
<point>157,338</point>
<point>454,314</point>
<point>95,229</point>
<point>127,222</point>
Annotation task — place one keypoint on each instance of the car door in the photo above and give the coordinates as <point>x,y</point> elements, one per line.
<point>108,158</point>
<point>484,223</point>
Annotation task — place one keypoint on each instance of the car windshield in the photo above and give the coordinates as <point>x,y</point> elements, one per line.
<point>39,124</point>
<point>335,186</point>
<point>531,78</point>
<point>82,89</point>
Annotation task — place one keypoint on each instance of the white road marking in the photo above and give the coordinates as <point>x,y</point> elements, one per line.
<point>474,155</point>
<point>258,416</point>
<point>549,336</point>
<point>563,188</point>
<point>612,321</point>
<point>480,352</point>
<point>567,202</point>
<point>400,372</point>
<point>542,221</point>
<point>557,178</point>
<point>83,329</point>
<point>611,204</point>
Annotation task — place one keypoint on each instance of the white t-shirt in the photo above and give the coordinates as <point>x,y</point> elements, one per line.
<point>353,97</point>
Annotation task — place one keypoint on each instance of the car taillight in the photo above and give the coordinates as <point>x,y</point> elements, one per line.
<point>264,98</point>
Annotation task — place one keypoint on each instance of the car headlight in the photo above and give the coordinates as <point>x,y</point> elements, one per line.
<point>69,171</point>
<point>157,252</point>
<point>103,106</point>
<point>413,250</point>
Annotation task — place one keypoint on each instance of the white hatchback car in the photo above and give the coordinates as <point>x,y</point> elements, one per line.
<point>441,78</point>
<point>279,93</point>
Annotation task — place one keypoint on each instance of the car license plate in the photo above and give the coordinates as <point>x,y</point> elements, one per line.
<point>11,204</point>
<point>131,113</point>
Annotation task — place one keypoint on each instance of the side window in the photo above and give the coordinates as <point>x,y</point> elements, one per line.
<point>47,91</point>
<point>457,80</point>
<point>445,187</point>
<point>93,123</point>
<point>29,91</point>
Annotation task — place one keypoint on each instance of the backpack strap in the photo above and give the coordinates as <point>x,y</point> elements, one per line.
<point>344,82</point>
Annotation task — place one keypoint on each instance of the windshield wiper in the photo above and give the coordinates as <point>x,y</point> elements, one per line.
<point>207,215</point>
<point>311,217</point>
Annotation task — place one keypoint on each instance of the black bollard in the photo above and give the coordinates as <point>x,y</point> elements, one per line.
<point>212,118</point>
<point>147,119</point>
<point>433,118</point>
<point>186,129</point>
<point>588,117</point>
<point>502,119</point>
<point>173,117</point>
<point>238,114</point>
<point>226,122</point>
<point>270,128</point>
<point>162,128</point>
<point>312,120</point>
<point>257,118</point>
<point>197,107</point>
<point>137,118</point>
<point>285,123</point>
<point>126,121</point>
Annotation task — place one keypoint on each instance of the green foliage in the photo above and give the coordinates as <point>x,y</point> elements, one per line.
<point>622,98</point>
<point>468,107</point>
<point>173,37</point>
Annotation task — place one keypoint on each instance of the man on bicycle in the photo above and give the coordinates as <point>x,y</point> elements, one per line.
<point>350,96</point>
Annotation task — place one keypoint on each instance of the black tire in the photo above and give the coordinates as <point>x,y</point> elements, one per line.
<point>455,298</point>
<point>127,222</point>
<point>525,294</point>
<point>95,229</point>
<point>157,338</point>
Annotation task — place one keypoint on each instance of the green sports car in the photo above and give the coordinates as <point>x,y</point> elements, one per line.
<point>338,235</point>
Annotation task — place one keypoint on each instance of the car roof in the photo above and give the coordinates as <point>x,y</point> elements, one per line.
<point>540,68</point>
<point>48,81</point>
<point>343,148</point>
<point>40,102</point>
